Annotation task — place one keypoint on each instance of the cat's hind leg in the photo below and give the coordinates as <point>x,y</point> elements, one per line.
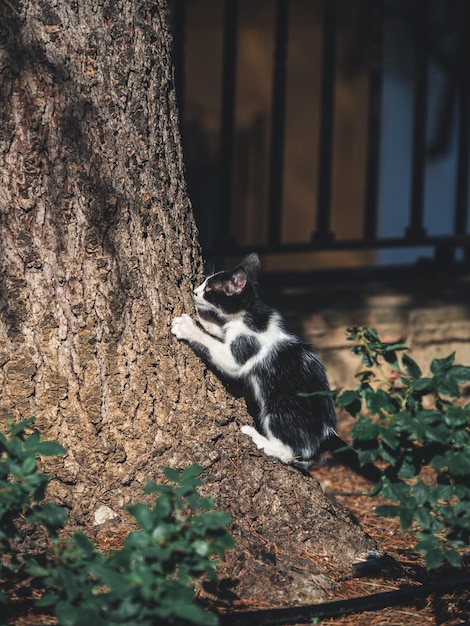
<point>271,445</point>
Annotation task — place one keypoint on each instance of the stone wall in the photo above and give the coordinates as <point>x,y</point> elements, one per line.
<point>431,315</point>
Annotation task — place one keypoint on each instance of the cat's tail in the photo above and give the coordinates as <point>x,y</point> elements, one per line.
<point>345,455</point>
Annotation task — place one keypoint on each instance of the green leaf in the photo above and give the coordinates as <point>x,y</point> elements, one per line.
<point>424,518</point>
<point>31,442</point>
<point>69,615</point>
<point>20,427</point>
<point>462,492</point>
<point>457,416</point>
<point>391,358</point>
<point>461,373</point>
<point>187,489</point>
<point>142,515</point>
<point>459,463</point>
<point>423,385</point>
<point>370,333</point>
<point>51,515</point>
<point>389,455</point>
<point>82,542</point>
<point>163,506</point>
<point>406,517</point>
<point>366,357</point>
<point>453,558</point>
<point>365,430</point>
<point>192,471</point>
<point>153,487</point>
<point>395,491</point>
<point>443,492</point>
<point>421,492</point>
<point>367,456</point>
<point>215,520</point>
<point>48,599</point>
<point>50,448</point>
<point>411,367</point>
<point>201,547</point>
<point>387,510</point>
<point>15,448</point>
<point>28,465</point>
<point>440,461</point>
<point>440,366</point>
<point>365,375</point>
<point>407,469</point>
<point>447,385</point>
<point>389,438</point>
<point>433,558</point>
<point>378,401</point>
<point>172,474</point>
<point>349,400</point>
<point>391,347</point>
<point>150,578</point>
<point>437,436</point>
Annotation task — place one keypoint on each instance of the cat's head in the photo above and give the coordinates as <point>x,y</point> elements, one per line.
<point>231,291</point>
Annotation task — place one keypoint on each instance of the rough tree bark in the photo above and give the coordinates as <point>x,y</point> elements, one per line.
<point>98,251</point>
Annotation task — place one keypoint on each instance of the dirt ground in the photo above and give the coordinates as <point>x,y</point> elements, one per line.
<point>405,568</point>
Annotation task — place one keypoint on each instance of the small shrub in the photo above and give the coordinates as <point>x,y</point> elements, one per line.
<point>22,491</point>
<point>420,428</point>
<point>150,579</point>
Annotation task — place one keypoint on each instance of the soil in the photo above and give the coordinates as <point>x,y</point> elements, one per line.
<point>405,568</point>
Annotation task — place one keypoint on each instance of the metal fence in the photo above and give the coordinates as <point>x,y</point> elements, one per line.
<point>439,34</point>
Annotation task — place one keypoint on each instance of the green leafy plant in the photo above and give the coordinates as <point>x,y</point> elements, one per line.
<point>22,490</point>
<point>419,427</point>
<point>151,578</point>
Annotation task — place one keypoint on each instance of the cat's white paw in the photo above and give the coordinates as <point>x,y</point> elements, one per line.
<point>271,446</point>
<point>258,439</point>
<point>183,327</point>
<point>248,430</point>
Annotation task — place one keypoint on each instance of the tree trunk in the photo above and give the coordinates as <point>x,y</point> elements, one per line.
<point>98,251</point>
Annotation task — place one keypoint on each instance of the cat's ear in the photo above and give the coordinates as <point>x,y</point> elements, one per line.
<point>234,285</point>
<point>237,282</point>
<point>251,265</point>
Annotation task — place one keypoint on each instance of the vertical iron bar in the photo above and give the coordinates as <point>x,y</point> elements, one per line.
<point>461,208</point>
<point>322,233</point>
<point>278,120</point>
<point>416,230</point>
<point>463,160</point>
<point>179,45</point>
<point>227,121</point>
<point>375,7</point>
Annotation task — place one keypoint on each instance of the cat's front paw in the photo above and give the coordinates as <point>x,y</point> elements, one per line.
<point>183,327</point>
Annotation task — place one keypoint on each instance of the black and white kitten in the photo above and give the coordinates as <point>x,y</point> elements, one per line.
<point>244,339</point>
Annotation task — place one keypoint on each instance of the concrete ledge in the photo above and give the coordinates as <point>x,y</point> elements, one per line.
<point>430,314</point>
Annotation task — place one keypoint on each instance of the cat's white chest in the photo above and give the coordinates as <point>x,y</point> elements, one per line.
<point>235,328</point>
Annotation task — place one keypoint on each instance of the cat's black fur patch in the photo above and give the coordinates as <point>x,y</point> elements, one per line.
<point>244,347</point>
<point>258,319</point>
